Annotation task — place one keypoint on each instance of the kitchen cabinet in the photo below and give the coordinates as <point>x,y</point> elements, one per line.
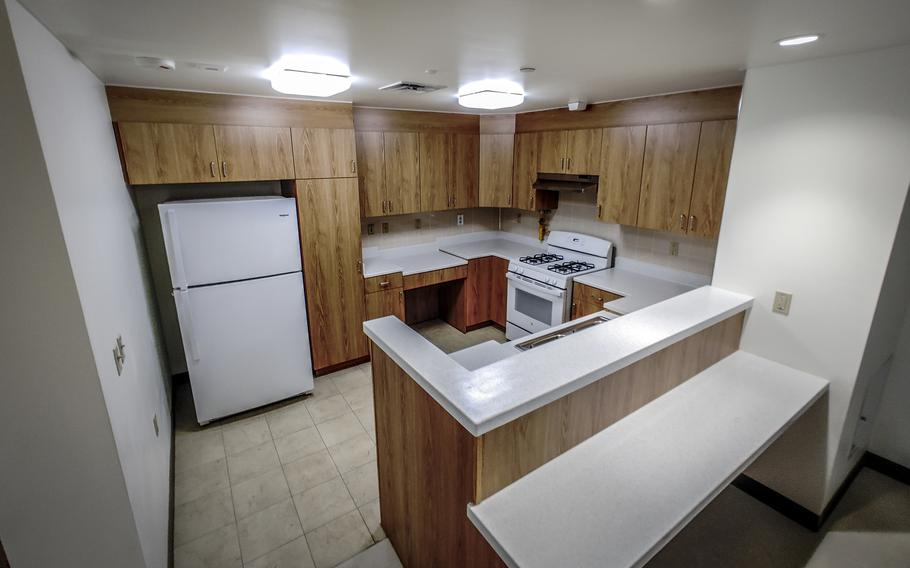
<point>587,300</point>
<point>383,282</point>
<point>619,186</point>
<point>498,290</point>
<point>384,296</point>
<point>569,151</point>
<point>324,153</point>
<point>497,152</point>
<point>448,170</point>
<point>371,173</point>
<point>329,216</point>
<point>712,168</point>
<point>486,291</point>
<point>402,172</point>
<point>525,168</point>
<point>467,171</point>
<point>668,171</point>
<point>168,153</point>
<point>252,153</point>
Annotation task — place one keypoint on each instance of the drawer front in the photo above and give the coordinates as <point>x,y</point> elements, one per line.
<point>384,282</point>
<point>422,279</point>
<point>592,295</point>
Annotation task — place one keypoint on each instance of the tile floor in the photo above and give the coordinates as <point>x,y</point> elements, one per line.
<point>292,484</point>
<point>449,339</point>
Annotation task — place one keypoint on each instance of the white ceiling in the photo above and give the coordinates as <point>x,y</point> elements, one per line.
<point>590,49</point>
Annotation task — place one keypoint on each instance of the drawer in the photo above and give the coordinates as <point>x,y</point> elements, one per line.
<point>590,294</point>
<point>383,282</point>
<point>432,277</point>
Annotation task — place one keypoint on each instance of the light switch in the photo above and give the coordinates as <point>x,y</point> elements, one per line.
<point>782,303</point>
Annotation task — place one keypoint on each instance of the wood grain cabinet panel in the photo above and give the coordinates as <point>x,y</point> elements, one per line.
<point>712,168</point>
<point>402,171</point>
<point>251,153</point>
<point>324,153</point>
<point>168,153</point>
<point>551,151</point>
<point>619,186</point>
<point>371,173</point>
<point>437,168</point>
<point>329,217</point>
<point>587,300</point>
<point>667,175</point>
<point>385,303</point>
<point>496,169</point>
<point>498,290</point>
<point>583,151</point>
<point>525,167</point>
<point>465,191</point>
<point>383,282</point>
<point>485,300</point>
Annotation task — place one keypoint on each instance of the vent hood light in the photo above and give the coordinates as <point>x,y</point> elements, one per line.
<point>309,75</point>
<point>491,95</point>
<point>798,40</point>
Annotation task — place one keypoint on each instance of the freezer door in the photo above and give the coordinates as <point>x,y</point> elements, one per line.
<point>221,240</point>
<point>246,343</point>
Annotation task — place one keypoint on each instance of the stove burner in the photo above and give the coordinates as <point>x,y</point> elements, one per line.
<point>542,258</point>
<point>571,267</point>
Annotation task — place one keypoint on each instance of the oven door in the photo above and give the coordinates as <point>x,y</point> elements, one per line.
<point>533,306</point>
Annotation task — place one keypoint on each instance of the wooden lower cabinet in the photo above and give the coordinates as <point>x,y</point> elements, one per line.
<point>329,214</point>
<point>485,300</point>
<point>587,300</point>
<point>382,304</point>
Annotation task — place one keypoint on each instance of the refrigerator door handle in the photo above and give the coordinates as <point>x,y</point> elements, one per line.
<point>173,243</point>
<point>182,298</point>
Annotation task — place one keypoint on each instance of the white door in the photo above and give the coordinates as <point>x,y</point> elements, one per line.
<point>246,343</point>
<point>222,240</point>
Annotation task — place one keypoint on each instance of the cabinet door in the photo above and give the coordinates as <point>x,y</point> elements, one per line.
<point>496,164</point>
<point>324,153</point>
<point>619,186</point>
<point>477,299</point>
<point>526,167</point>
<point>402,172</point>
<point>371,174</point>
<point>551,151</point>
<point>168,153</point>
<point>250,153</point>
<point>386,303</point>
<point>583,151</point>
<point>667,173</point>
<point>498,289</point>
<point>466,171</point>
<point>712,167</point>
<point>330,244</point>
<point>437,154</point>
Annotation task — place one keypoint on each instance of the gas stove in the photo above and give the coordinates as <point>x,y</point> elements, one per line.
<point>542,258</point>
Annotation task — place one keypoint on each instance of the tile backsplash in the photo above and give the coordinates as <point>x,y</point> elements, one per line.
<point>403,229</point>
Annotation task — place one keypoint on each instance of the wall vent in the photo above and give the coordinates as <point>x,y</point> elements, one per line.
<point>411,87</point>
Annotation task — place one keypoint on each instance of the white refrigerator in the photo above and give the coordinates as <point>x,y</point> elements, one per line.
<point>238,288</point>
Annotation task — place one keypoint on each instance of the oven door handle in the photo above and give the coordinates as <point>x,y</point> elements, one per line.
<point>534,288</point>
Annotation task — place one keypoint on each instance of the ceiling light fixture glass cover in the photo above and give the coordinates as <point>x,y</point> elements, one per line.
<point>491,95</point>
<point>797,40</point>
<point>309,75</point>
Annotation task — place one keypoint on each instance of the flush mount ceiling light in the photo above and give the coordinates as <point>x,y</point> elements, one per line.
<point>309,75</point>
<point>798,40</point>
<point>491,95</point>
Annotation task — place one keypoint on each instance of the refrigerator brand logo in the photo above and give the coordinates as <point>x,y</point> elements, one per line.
<point>284,214</point>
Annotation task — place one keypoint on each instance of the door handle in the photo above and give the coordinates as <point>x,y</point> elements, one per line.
<point>224,169</point>
<point>212,168</point>
<point>692,222</point>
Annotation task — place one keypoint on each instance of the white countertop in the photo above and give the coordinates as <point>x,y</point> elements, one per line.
<point>409,260</point>
<point>638,290</point>
<point>617,498</point>
<point>490,396</point>
<point>501,247</point>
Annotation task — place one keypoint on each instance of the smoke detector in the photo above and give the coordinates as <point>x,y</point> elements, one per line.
<point>207,66</point>
<point>412,87</point>
<point>156,63</point>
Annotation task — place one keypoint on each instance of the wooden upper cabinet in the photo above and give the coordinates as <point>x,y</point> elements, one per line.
<point>324,153</point>
<point>525,166</point>
<point>465,191</point>
<point>402,173</point>
<point>619,186</point>
<point>712,167</point>
<point>371,173</point>
<point>168,153</point>
<point>667,175</point>
<point>583,151</point>
<point>496,169</point>
<point>437,155</point>
<point>250,153</point>
<point>551,151</point>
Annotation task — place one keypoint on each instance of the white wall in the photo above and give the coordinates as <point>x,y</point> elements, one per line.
<point>818,180</point>
<point>103,240</point>
<point>63,500</point>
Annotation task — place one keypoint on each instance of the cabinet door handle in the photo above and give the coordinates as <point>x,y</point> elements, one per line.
<point>692,222</point>
<point>568,164</point>
<point>212,168</point>
<point>224,171</point>
<point>682,221</point>
<point>599,211</point>
<point>359,267</point>
<point>390,206</point>
<point>353,166</point>
<point>383,205</point>
<point>597,298</point>
<point>384,284</point>
<point>562,163</point>
<point>453,201</point>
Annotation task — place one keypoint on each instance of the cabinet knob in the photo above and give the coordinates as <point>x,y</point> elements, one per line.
<point>212,168</point>
<point>682,221</point>
<point>224,169</point>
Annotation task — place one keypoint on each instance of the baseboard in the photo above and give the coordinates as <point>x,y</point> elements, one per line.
<point>887,467</point>
<point>783,505</point>
<point>340,366</point>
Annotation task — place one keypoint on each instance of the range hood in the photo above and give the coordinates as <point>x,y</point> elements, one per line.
<point>565,182</point>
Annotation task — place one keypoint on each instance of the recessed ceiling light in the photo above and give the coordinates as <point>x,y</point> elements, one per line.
<point>798,40</point>
<point>491,94</point>
<point>309,75</point>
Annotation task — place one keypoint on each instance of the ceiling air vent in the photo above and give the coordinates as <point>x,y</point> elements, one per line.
<point>411,87</point>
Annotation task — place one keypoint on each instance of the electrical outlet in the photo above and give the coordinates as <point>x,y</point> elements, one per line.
<point>385,227</point>
<point>782,303</point>
<point>459,220</point>
<point>155,424</point>
<point>371,228</point>
<point>119,355</point>
<point>417,223</point>
<point>674,248</point>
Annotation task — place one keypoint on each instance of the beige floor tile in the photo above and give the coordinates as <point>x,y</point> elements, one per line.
<point>367,418</point>
<point>327,408</point>
<point>351,379</point>
<point>290,419</point>
<point>196,448</point>
<point>299,444</point>
<point>245,435</point>
<point>380,555</point>
<point>193,483</point>
<point>340,429</point>
<point>363,483</point>
<point>323,503</point>
<point>252,462</point>
<point>323,387</point>
<point>360,398</point>
<point>353,452</point>
<point>370,514</point>
<point>217,549</point>
<point>295,554</point>
<point>260,492</point>
<point>306,473</point>
<point>268,529</point>
<point>203,515</point>
<point>338,540</point>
